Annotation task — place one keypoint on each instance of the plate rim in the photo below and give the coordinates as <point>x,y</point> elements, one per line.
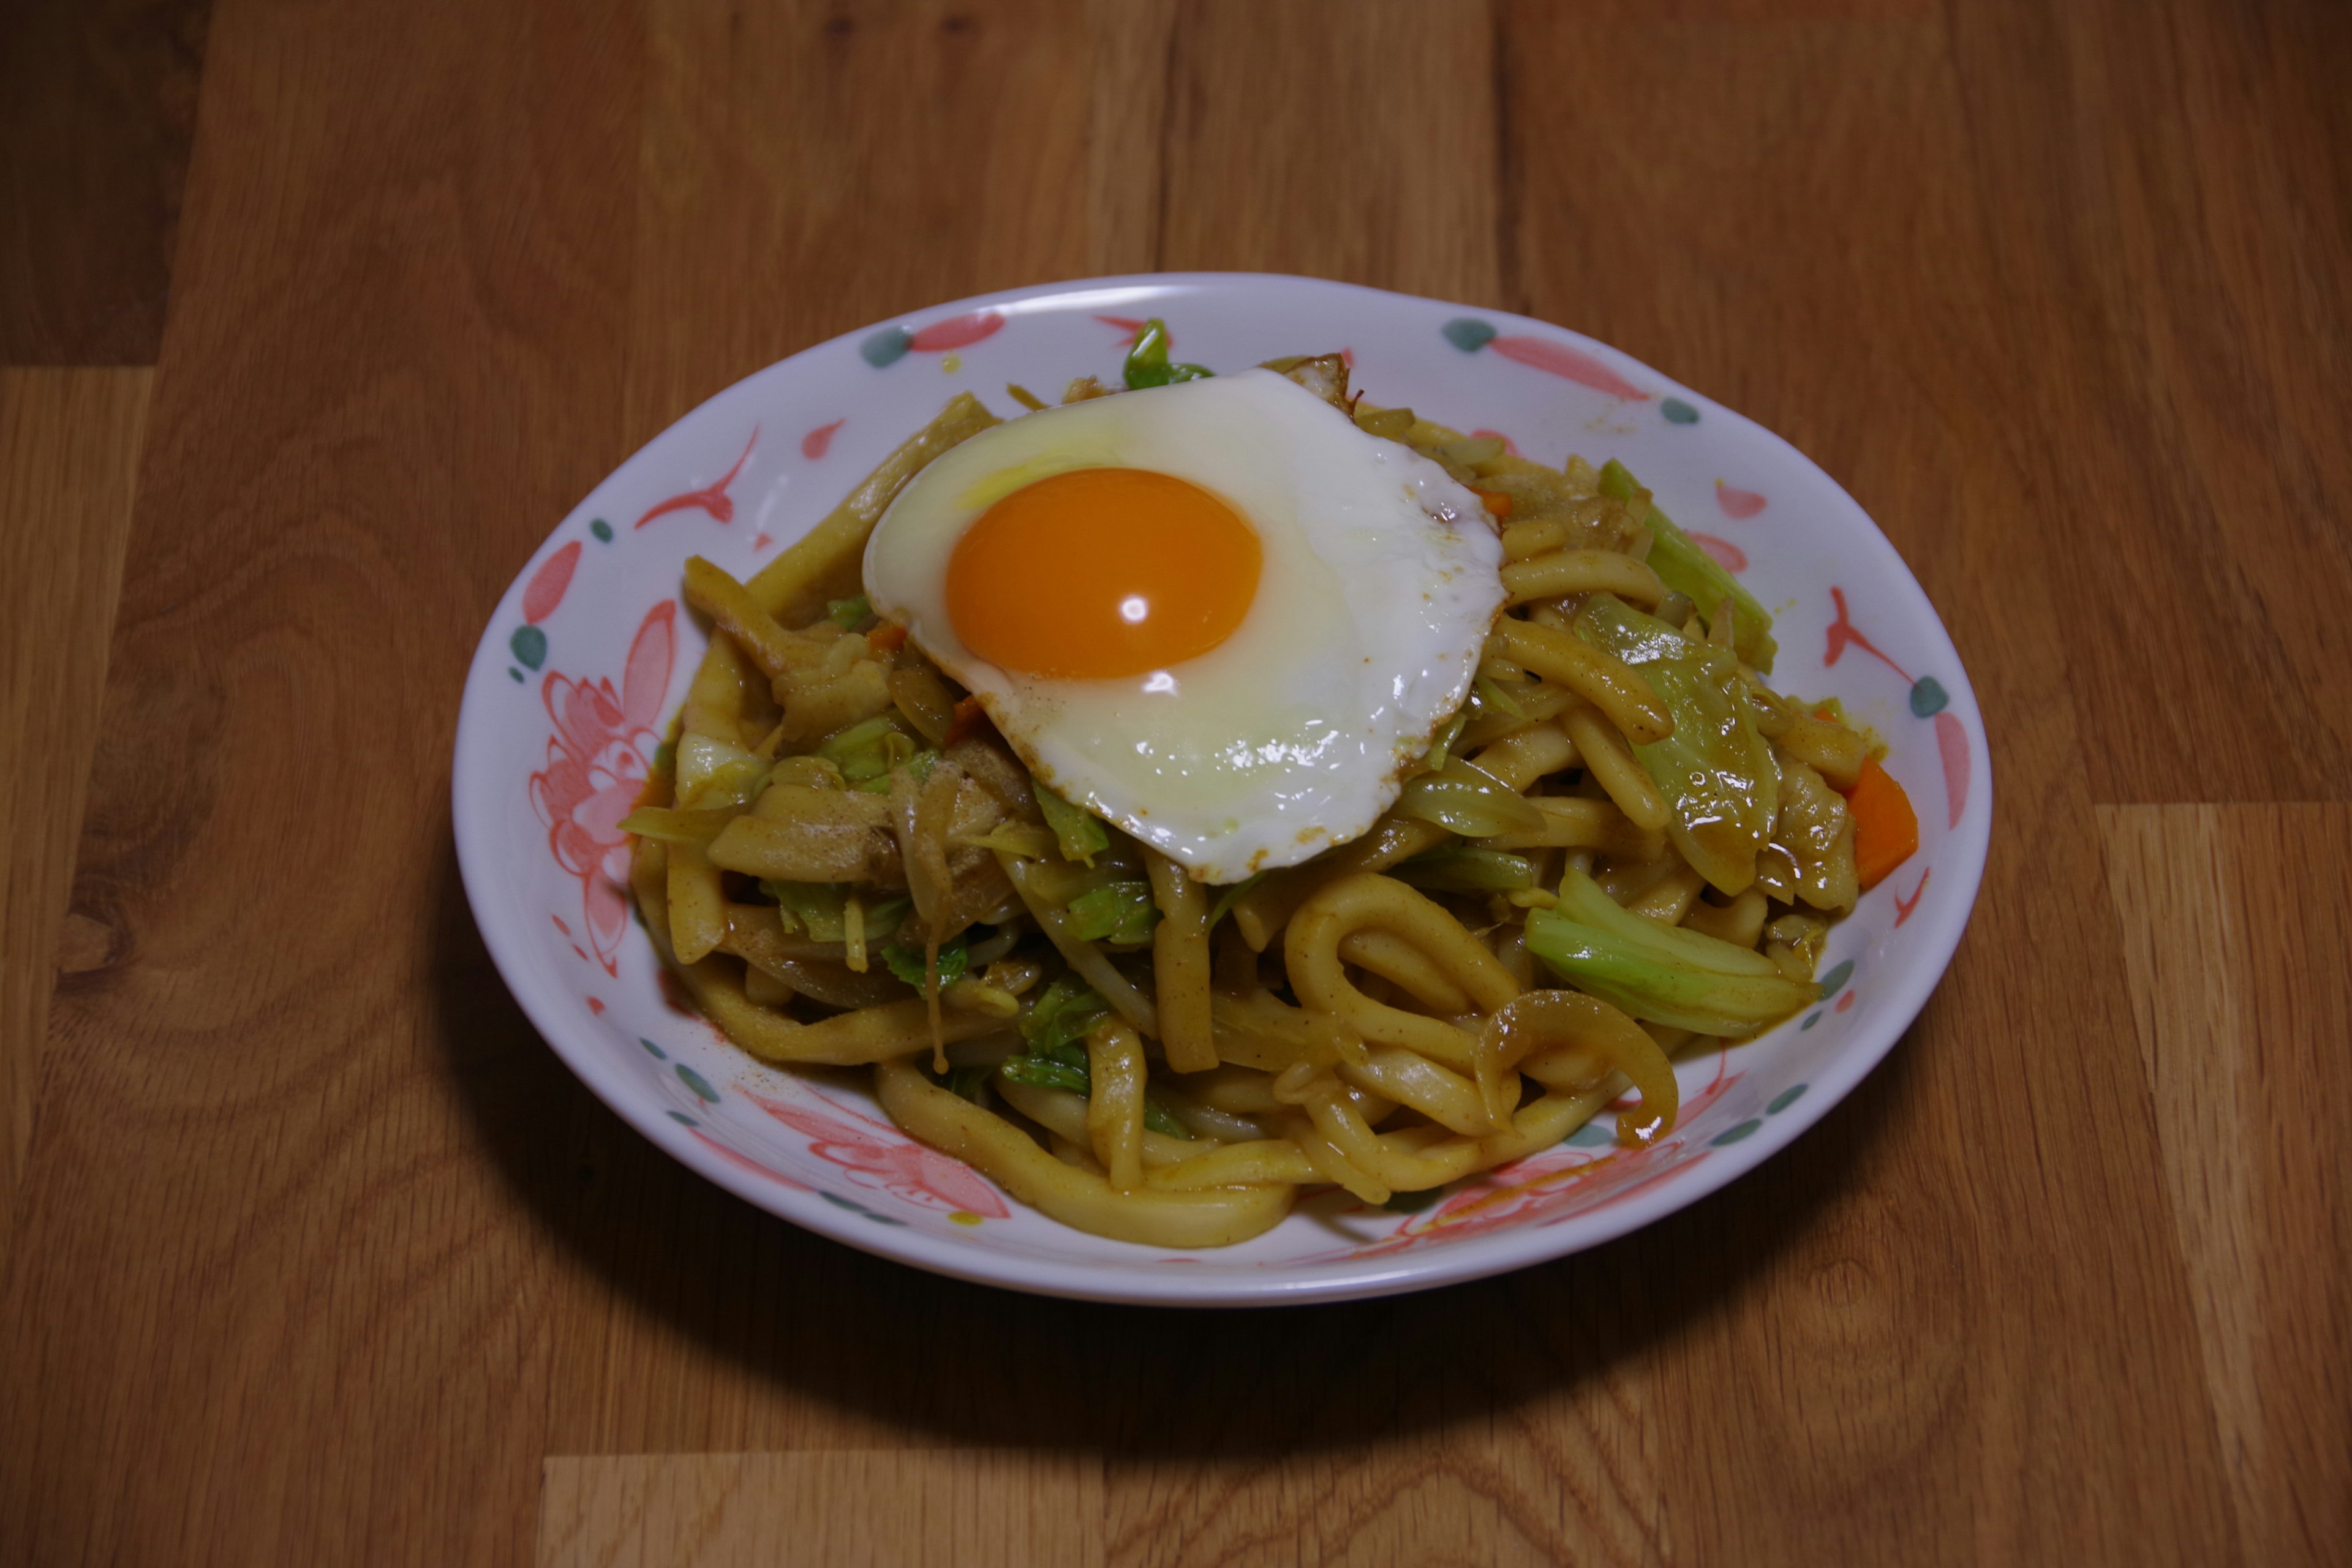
<point>1500,1252</point>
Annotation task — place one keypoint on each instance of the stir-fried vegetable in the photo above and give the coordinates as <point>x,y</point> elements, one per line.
<point>711,773</point>
<point>1063,1012</point>
<point>866,751</point>
<point>1120,911</point>
<point>1665,974</point>
<point>1690,571</point>
<point>1055,1027</point>
<point>1715,769</point>
<point>1467,868</point>
<point>1079,833</point>
<point>1467,799</point>
<point>1147,360</point>
<point>1886,828</point>
<point>905,959</point>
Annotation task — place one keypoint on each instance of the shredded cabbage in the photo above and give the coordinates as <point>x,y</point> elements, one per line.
<point>1665,974</point>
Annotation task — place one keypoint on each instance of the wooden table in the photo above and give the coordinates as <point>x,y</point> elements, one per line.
<point>317,317</point>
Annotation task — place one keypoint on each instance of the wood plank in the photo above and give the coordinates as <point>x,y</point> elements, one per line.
<point>1128,44</point>
<point>915,1508</point>
<point>1857,1369</point>
<point>97,116</point>
<point>778,205</point>
<point>287,1307</point>
<point>2235,932</point>
<point>69,443</point>
<point>2174,249</point>
<point>1348,139</point>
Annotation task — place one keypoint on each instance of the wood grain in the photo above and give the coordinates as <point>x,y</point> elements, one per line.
<point>768,193</point>
<point>917,1509</point>
<point>69,443</point>
<point>2235,932</point>
<point>98,101</point>
<point>272,1257</point>
<point>319,1254</point>
<point>1349,139</point>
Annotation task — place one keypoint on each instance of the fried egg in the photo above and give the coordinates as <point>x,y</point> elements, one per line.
<point>1215,613</point>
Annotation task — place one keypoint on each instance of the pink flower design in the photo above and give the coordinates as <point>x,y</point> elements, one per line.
<point>880,1158</point>
<point>712,498</point>
<point>596,762</point>
<point>745,1162</point>
<point>1573,364</point>
<point>1738,504</point>
<point>957,331</point>
<point>1843,634</point>
<point>1727,555</point>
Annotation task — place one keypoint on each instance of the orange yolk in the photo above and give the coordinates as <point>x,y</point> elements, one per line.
<point>1102,573</point>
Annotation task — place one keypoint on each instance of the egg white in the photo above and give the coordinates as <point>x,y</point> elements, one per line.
<point>1380,580</point>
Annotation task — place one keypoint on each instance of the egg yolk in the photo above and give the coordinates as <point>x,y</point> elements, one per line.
<point>1102,573</point>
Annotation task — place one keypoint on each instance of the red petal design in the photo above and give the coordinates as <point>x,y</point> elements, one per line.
<point>1738,504</point>
<point>547,584</point>
<point>1727,555</point>
<point>819,441</point>
<point>1572,364</point>
<point>956,332</point>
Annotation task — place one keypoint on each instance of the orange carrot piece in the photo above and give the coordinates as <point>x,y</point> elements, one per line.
<point>1498,503</point>
<point>1886,828</point>
<point>888,638</point>
<point>969,717</point>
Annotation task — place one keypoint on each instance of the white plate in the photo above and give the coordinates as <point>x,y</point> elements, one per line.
<point>590,652</point>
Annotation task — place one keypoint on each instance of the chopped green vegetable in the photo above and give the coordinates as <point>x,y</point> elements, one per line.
<point>676,826</point>
<point>849,614</point>
<point>1120,911</point>
<point>1147,362</point>
<point>816,908</point>
<point>1442,743</point>
<point>906,962</point>
<point>1464,798</point>
<point>1080,832</point>
<point>869,750</point>
<point>917,762</point>
<point>1064,1012</point>
<point>965,1081</point>
<point>712,774</point>
<point>1662,972</point>
<point>1157,1120</point>
<point>1716,770</point>
<point>1467,868</point>
<point>1233,895</point>
<point>1493,698</point>
<point>1065,1067</point>
<point>821,909</point>
<point>1688,570</point>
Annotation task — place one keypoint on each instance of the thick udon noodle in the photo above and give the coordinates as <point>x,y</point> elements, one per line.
<point>1329,1025</point>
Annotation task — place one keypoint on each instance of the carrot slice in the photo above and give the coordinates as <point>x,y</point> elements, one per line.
<point>1498,503</point>
<point>1886,828</point>
<point>888,638</point>
<point>969,717</point>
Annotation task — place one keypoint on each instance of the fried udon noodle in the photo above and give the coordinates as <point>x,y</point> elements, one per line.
<point>1623,845</point>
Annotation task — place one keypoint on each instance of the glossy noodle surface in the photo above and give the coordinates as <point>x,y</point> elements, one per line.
<point>1625,845</point>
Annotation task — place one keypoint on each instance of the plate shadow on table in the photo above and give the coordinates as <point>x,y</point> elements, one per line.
<point>984,1367</point>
